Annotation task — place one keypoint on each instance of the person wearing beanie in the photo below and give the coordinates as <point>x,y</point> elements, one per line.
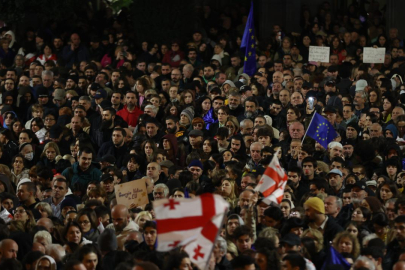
<point>186,117</point>
<point>316,218</point>
<point>196,168</point>
<point>352,131</point>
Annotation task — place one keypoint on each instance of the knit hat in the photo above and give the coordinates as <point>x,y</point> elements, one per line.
<point>42,91</point>
<point>218,58</point>
<point>316,203</point>
<point>68,202</point>
<point>355,126</point>
<point>229,82</point>
<point>107,241</point>
<point>196,163</point>
<point>189,112</point>
<point>74,78</point>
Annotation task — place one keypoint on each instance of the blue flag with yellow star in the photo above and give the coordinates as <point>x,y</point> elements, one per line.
<point>249,43</point>
<point>321,130</point>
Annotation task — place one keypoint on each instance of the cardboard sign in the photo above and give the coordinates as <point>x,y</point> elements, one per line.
<point>319,54</point>
<point>373,55</point>
<point>133,192</point>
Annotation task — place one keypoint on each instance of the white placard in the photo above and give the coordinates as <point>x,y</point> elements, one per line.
<point>373,55</point>
<point>319,54</point>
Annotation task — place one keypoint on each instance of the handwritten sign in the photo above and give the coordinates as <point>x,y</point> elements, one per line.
<point>319,54</point>
<point>133,192</point>
<point>373,55</point>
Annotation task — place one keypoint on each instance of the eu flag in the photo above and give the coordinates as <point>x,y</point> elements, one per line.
<point>321,130</point>
<point>249,43</point>
<point>334,257</point>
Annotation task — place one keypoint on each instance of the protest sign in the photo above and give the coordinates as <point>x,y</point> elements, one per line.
<point>133,192</point>
<point>373,55</point>
<point>319,54</point>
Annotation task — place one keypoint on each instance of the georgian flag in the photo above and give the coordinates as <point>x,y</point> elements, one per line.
<point>273,182</point>
<point>191,222</point>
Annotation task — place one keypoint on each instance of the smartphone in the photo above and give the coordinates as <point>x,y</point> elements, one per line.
<point>311,103</point>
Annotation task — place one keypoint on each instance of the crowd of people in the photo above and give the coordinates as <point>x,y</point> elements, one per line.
<point>83,112</point>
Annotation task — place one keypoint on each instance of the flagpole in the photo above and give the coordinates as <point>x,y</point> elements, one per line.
<point>303,138</point>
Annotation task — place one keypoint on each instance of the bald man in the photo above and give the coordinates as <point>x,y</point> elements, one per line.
<point>122,224</point>
<point>46,223</point>
<point>36,246</point>
<point>8,249</point>
<point>399,266</point>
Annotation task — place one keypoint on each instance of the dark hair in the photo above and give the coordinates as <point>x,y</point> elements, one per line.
<point>86,150</point>
<point>175,258</point>
<point>90,214</point>
<point>149,224</point>
<point>274,213</point>
<point>38,121</point>
<point>241,261</point>
<point>66,229</point>
<point>123,132</point>
<point>295,260</point>
<point>87,249</point>
<point>310,159</point>
<point>243,230</point>
<point>295,169</point>
<point>213,144</point>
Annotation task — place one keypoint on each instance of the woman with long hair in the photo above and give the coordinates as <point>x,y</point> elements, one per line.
<point>228,192</point>
<point>149,150</point>
<point>344,242</point>
<point>88,222</point>
<point>338,49</point>
<point>374,97</point>
<point>19,170</point>
<point>26,217</point>
<point>48,156</point>
<point>141,85</point>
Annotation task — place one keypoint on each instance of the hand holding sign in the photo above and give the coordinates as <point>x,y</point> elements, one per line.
<point>132,193</point>
<point>373,55</point>
<point>319,54</point>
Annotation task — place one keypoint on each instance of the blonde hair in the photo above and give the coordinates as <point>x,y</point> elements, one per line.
<point>45,235</point>
<point>315,234</point>
<point>356,245</point>
<point>141,214</point>
<point>45,206</point>
<point>49,145</point>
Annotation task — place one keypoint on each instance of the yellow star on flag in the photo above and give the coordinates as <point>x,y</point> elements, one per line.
<point>250,53</point>
<point>253,37</point>
<point>250,30</point>
<point>253,45</point>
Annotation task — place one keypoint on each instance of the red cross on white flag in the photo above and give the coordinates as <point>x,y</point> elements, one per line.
<point>273,182</point>
<point>193,223</point>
